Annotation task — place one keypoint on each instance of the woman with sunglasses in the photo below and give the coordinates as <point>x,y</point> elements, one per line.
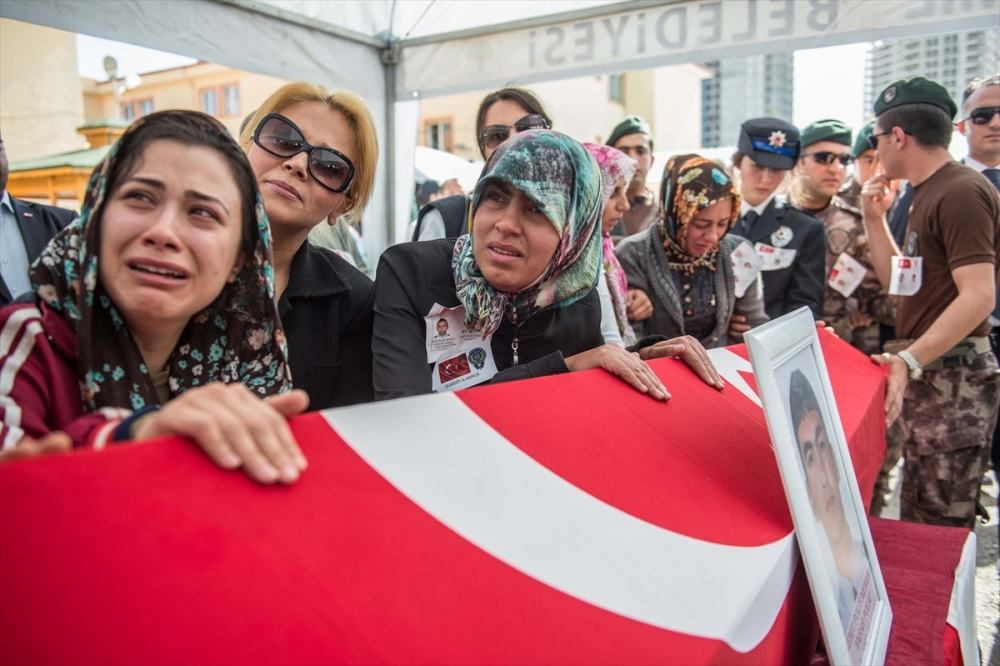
<point>155,312</point>
<point>518,291</point>
<point>683,263</point>
<point>313,153</point>
<point>502,113</point>
<point>855,302</point>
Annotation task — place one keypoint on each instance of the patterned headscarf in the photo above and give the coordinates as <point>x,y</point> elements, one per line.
<point>562,179</point>
<point>238,338</point>
<point>691,184</point>
<point>614,166</point>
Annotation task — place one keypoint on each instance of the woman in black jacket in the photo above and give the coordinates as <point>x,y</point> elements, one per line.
<point>516,298</point>
<point>314,154</point>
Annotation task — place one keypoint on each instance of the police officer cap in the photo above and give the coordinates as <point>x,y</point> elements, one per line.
<point>917,90</point>
<point>770,143</point>
<point>826,130</point>
<point>861,141</point>
<point>629,125</point>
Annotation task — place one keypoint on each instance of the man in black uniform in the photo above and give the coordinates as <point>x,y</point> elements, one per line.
<point>791,242</point>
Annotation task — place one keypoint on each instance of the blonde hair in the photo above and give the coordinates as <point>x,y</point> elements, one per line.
<point>354,111</point>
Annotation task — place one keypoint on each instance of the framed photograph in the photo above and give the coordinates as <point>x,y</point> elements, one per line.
<point>831,522</point>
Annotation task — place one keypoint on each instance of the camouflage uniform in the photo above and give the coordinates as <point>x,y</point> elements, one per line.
<point>845,232</point>
<point>942,413</point>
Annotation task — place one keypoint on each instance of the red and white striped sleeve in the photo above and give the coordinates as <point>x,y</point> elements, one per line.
<point>38,389</point>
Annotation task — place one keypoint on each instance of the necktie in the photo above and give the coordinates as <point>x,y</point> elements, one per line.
<point>748,221</point>
<point>993,175</point>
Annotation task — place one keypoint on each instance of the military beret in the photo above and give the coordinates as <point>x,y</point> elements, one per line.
<point>629,125</point>
<point>917,90</point>
<point>770,143</point>
<point>861,140</point>
<point>826,130</point>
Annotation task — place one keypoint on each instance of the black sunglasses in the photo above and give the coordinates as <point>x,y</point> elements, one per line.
<point>826,158</point>
<point>983,115</point>
<point>492,136</point>
<point>279,136</point>
<point>873,139</point>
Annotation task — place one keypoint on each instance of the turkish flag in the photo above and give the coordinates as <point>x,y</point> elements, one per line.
<point>567,519</point>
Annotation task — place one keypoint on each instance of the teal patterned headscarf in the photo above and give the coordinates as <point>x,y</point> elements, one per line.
<point>560,177</point>
<point>238,338</point>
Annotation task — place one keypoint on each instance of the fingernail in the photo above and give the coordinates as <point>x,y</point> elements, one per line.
<point>289,472</point>
<point>270,473</point>
<point>230,461</point>
<point>301,461</point>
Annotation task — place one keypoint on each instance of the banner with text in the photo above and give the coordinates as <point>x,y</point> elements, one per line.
<point>677,32</point>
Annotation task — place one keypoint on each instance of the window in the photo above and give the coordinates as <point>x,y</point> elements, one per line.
<point>145,107</point>
<point>128,111</point>
<point>231,100</point>
<point>209,102</point>
<point>616,87</point>
<point>437,134</point>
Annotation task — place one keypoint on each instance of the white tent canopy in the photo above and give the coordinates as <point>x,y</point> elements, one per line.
<point>393,52</point>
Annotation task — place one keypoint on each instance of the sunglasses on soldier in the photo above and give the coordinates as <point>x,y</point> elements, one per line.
<point>826,158</point>
<point>492,136</point>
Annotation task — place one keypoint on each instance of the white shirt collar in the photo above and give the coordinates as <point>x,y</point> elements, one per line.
<point>978,166</point>
<point>759,209</point>
<point>5,201</point>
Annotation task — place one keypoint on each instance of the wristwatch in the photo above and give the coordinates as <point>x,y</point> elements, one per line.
<point>916,370</point>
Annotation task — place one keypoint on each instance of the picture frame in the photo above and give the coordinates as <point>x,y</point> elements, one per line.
<point>830,518</point>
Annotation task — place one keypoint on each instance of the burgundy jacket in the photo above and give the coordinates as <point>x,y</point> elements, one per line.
<point>39,388</point>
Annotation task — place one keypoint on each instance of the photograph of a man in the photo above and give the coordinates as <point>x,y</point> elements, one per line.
<point>840,538</point>
<point>442,328</point>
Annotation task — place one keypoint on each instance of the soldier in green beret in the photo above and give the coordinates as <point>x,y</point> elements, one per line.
<point>855,301</point>
<point>633,137</point>
<point>943,378</point>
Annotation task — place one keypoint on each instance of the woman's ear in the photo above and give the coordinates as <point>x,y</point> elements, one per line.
<point>237,267</point>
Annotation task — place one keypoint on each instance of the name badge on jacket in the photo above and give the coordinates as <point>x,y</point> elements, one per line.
<point>460,356</point>
<point>775,258</point>
<point>747,265</point>
<point>846,275</point>
<point>907,275</point>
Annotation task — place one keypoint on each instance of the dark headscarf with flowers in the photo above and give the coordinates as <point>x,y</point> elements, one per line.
<point>238,338</point>
<point>615,166</point>
<point>556,174</point>
<point>691,184</point>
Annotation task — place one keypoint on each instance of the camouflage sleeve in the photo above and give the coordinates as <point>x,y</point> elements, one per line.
<point>875,301</point>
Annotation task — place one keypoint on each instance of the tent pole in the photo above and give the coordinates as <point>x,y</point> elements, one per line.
<point>390,59</point>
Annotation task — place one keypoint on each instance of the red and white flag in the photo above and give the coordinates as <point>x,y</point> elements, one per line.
<point>567,519</point>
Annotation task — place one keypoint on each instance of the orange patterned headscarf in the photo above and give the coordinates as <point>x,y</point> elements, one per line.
<point>691,184</point>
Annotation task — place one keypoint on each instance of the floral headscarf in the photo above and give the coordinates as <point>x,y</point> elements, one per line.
<point>691,184</point>
<point>562,179</point>
<point>614,166</point>
<point>238,338</point>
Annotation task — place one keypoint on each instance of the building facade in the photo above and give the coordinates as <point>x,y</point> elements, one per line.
<point>743,88</point>
<point>586,108</point>
<point>952,59</point>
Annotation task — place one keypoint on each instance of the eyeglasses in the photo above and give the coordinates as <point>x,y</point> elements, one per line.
<point>873,139</point>
<point>826,158</point>
<point>279,136</point>
<point>492,136</point>
<point>983,115</point>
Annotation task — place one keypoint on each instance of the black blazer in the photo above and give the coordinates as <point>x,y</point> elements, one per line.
<point>326,312</point>
<point>38,225</point>
<point>804,282</point>
<point>412,277</point>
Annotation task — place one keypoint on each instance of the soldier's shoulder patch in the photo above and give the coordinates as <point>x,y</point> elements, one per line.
<point>837,240</point>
